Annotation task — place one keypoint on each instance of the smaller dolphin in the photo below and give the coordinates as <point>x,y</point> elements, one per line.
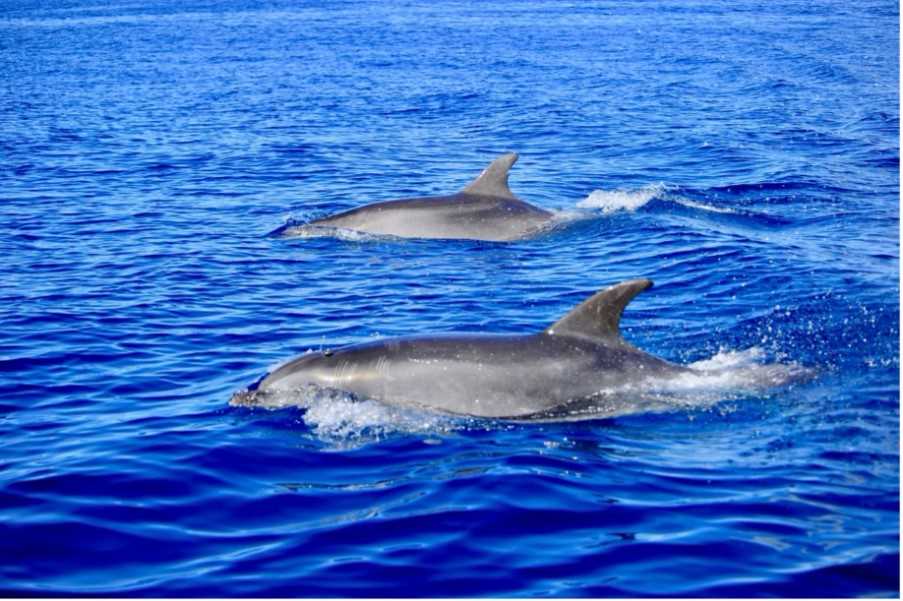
<point>485,210</point>
<point>497,376</point>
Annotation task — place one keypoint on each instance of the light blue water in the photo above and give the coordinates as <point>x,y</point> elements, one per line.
<point>743,155</point>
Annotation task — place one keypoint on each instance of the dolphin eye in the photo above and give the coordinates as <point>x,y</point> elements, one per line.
<point>327,353</point>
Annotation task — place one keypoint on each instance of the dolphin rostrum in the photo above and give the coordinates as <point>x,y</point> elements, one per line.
<point>485,210</point>
<point>499,376</point>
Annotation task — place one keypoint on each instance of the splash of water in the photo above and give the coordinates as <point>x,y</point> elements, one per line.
<point>612,201</point>
<point>739,372</point>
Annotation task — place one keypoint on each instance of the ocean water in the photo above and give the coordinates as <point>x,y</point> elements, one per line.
<point>743,155</point>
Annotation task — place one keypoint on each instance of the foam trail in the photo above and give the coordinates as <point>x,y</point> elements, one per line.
<point>612,201</point>
<point>692,204</point>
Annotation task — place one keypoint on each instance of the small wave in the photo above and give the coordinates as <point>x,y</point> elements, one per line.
<point>692,204</point>
<point>611,201</point>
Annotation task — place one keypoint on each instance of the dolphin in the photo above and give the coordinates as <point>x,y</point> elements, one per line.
<point>564,366</point>
<point>484,210</point>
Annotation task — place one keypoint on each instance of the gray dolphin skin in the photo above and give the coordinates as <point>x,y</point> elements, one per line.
<point>484,210</point>
<point>495,376</point>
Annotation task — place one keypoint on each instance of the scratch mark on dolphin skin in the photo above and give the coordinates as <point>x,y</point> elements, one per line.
<point>381,366</point>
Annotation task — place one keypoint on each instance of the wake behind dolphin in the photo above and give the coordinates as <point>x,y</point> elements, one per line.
<point>484,210</point>
<point>570,368</point>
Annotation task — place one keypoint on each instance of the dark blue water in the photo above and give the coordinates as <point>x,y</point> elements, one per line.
<point>744,155</point>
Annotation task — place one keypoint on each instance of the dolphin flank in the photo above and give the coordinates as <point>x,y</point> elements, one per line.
<point>499,376</point>
<point>485,210</point>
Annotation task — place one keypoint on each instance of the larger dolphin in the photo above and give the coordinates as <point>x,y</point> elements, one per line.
<point>496,376</point>
<point>484,210</point>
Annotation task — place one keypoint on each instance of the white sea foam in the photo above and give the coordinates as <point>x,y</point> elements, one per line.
<point>612,201</point>
<point>692,204</point>
<point>734,373</point>
<point>337,416</point>
<point>345,419</point>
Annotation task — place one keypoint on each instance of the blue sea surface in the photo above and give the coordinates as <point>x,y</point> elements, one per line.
<point>742,154</point>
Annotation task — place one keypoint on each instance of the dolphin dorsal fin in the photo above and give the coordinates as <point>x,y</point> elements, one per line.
<point>599,316</point>
<point>494,179</point>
